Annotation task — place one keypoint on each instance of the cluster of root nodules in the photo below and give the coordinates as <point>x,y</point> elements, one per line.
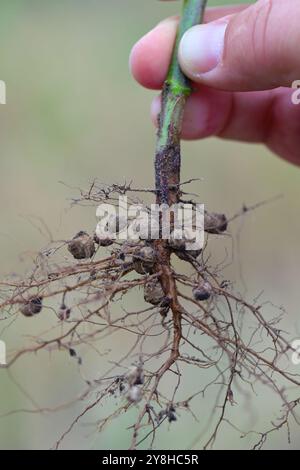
<point>167,315</point>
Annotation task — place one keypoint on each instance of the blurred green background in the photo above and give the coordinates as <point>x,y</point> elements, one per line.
<point>74,113</point>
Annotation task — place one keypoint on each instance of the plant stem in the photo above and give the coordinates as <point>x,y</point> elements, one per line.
<point>176,89</point>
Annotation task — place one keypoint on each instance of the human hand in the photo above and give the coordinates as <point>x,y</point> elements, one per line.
<point>243,62</point>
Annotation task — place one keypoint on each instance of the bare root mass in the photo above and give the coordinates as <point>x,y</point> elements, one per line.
<point>191,319</point>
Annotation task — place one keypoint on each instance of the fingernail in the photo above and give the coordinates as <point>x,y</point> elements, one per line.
<point>170,19</point>
<point>201,48</point>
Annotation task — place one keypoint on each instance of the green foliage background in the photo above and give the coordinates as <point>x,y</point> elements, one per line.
<point>75,113</point>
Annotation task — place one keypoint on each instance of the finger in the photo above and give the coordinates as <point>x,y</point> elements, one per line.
<point>267,117</point>
<point>150,57</point>
<point>255,49</point>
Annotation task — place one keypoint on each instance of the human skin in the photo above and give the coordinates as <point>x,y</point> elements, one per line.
<point>243,62</point>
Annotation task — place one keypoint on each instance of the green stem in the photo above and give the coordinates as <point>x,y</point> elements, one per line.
<point>176,89</point>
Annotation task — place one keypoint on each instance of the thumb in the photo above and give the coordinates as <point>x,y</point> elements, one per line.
<point>256,49</point>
